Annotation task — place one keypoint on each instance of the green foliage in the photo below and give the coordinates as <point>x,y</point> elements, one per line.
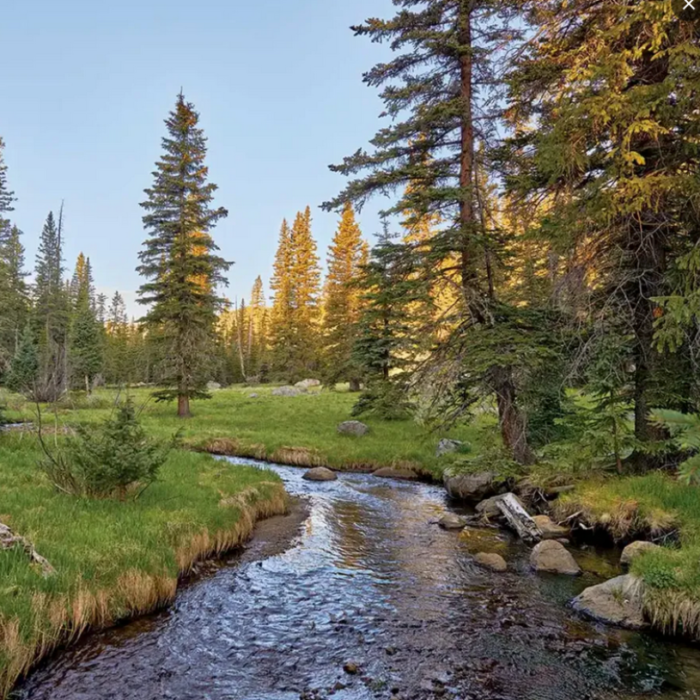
<point>386,400</point>
<point>109,460</point>
<point>25,364</point>
<point>685,433</point>
<point>179,259</point>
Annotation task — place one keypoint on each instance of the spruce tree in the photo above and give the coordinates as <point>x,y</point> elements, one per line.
<point>342,301</point>
<point>306,292</point>
<point>117,342</point>
<point>13,291</point>
<point>438,91</point>
<point>85,336</point>
<point>51,313</point>
<point>282,322</point>
<point>23,373</point>
<point>257,329</point>
<point>7,197</point>
<point>178,255</point>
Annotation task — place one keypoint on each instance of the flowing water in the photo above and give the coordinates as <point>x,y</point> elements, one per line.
<point>369,581</point>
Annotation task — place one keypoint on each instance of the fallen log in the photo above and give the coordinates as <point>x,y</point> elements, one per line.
<point>518,519</point>
<point>9,540</point>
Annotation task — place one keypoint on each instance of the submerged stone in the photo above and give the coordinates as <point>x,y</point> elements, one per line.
<point>617,602</point>
<point>492,561</point>
<point>320,474</point>
<point>553,558</point>
<point>550,530</point>
<point>452,521</point>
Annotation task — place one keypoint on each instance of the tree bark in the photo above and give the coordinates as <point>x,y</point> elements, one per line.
<point>512,421</point>
<point>355,385</point>
<point>183,406</point>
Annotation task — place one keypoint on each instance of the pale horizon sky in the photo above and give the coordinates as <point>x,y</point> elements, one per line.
<point>278,85</point>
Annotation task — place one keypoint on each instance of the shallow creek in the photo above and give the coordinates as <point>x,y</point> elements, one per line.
<point>367,580</point>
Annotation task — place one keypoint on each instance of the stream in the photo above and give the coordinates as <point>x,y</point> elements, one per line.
<point>368,599</point>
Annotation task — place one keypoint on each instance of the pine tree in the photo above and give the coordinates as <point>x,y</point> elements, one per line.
<point>342,301</point>
<point>85,337</point>
<point>438,90</point>
<point>51,313</point>
<point>282,327</point>
<point>23,373</point>
<point>117,342</point>
<point>7,197</point>
<point>13,291</point>
<point>178,255</point>
<point>257,340</point>
<point>306,292</point>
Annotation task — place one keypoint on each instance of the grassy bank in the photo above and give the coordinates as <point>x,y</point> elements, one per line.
<point>300,430</point>
<point>113,559</point>
<point>654,506</point>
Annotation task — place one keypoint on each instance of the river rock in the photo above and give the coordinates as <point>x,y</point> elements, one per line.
<point>495,562</point>
<point>353,427</point>
<point>395,473</point>
<point>447,446</point>
<point>617,602</point>
<point>286,391</point>
<point>351,668</point>
<point>320,474</point>
<point>452,521</point>
<point>307,384</point>
<point>213,386</point>
<point>550,530</point>
<point>471,487</point>
<point>489,507</point>
<point>552,557</point>
<point>632,551</point>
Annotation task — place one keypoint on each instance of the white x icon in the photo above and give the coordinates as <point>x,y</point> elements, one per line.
<point>689,4</point>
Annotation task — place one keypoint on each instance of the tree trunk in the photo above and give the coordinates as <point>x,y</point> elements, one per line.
<point>87,385</point>
<point>183,406</point>
<point>355,385</point>
<point>512,421</point>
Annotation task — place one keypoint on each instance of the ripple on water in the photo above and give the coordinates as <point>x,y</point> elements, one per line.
<point>370,580</point>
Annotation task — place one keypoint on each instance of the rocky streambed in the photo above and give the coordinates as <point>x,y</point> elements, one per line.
<point>371,599</point>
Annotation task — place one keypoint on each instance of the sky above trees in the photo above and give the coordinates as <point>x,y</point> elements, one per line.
<point>277,83</point>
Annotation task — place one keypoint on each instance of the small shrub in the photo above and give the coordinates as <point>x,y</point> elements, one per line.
<point>112,460</point>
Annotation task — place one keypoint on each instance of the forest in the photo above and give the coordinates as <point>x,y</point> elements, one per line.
<point>534,292</point>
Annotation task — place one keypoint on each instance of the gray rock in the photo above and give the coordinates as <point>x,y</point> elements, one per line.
<point>471,487</point>
<point>320,474</point>
<point>494,562</point>
<point>307,384</point>
<point>634,550</point>
<point>550,530</point>
<point>353,427</point>
<point>552,557</point>
<point>253,396</point>
<point>489,507</point>
<point>213,386</point>
<point>452,521</point>
<point>287,391</point>
<point>447,446</point>
<point>394,473</point>
<point>617,602</point>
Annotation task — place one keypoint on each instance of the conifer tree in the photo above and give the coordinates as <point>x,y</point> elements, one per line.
<point>342,301</point>
<point>178,255</point>
<point>7,197</point>
<point>437,90</point>
<point>257,329</point>
<point>306,292</point>
<point>51,312</point>
<point>117,342</point>
<point>85,336</point>
<point>13,291</point>
<point>282,328</point>
<point>23,376</point>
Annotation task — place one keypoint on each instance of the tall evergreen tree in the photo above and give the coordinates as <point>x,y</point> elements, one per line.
<point>257,341</point>
<point>342,301</point>
<point>51,313</point>
<point>117,342</point>
<point>85,336</point>
<point>13,291</point>
<point>437,90</point>
<point>7,197</point>
<point>178,255</point>
<point>282,326</point>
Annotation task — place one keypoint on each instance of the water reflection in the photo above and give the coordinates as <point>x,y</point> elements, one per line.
<point>371,581</point>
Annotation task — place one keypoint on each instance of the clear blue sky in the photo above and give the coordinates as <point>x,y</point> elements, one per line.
<point>87,85</point>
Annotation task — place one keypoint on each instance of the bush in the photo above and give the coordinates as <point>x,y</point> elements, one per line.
<point>112,460</point>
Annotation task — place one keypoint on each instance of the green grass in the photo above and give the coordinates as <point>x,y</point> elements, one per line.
<point>113,559</point>
<point>268,426</point>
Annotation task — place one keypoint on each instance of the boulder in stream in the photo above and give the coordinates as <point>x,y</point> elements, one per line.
<point>552,557</point>
<point>488,508</point>
<point>452,521</point>
<point>353,427</point>
<point>320,474</point>
<point>617,602</point>
<point>471,487</point>
<point>287,391</point>
<point>494,562</point>
<point>550,530</point>
<point>634,550</point>
<point>395,473</point>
